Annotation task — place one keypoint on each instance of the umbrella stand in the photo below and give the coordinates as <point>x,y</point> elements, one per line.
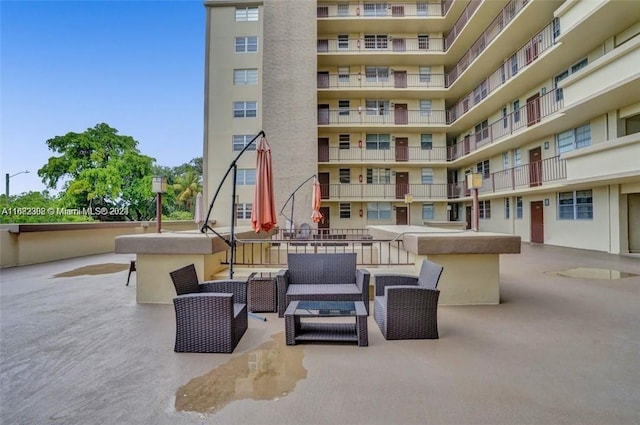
<point>231,242</point>
<point>292,198</point>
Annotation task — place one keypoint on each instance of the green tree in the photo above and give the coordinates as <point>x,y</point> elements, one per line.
<point>186,188</point>
<point>100,168</point>
<point>37,207</point>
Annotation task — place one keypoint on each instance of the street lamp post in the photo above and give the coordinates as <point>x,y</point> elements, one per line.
<point>8,177</point>
<point>159,185</point>
<point>474,182</point>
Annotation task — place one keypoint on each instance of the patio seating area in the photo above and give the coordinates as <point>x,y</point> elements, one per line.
<point>561,347</point>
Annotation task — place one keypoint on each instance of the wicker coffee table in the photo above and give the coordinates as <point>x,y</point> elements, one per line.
<point>297,330</point>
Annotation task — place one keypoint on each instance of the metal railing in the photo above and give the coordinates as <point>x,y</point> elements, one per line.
<point>363,116</point>
<point>378,45</point>
<point>388,191</point>
<point>393,154</point>
<point>395,80</point>
<point>408,9</point>
<point>461,22</point>
<point>527,175</point>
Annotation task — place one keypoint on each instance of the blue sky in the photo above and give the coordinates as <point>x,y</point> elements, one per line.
<point>69,65</point>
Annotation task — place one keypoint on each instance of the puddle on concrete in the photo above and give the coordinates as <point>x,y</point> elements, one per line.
<point>269,372</point>
<point>592,273</point>
<point>94,269</point>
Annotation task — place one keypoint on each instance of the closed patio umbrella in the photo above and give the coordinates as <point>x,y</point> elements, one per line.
<point>197,216</point>
<point>263,214</point>
<point>316,199</point>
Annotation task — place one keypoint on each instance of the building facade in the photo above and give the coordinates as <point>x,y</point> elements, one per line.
<point>392,104</point>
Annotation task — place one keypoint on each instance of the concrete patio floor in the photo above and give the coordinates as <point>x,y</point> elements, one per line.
<point>557,350</point>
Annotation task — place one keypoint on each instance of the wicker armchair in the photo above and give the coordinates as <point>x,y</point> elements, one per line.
<point>210,317</point>
<point>406,307</point>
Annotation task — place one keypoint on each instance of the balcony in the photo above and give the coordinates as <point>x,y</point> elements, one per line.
<point>395,192</point>
<point>421,9</point>
<point>534,174</point>
<point>401,154</point>
<point>397,80</point>
<point>361,117</point>
<point>536,109</point>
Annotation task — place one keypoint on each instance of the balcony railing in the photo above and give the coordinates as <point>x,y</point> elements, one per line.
<point>492,31</point>
<point>393,154</point>
<point>461,22</point>
<point>527,175</point>
<point>396,80</point>
<point>386,191</point>
<point>380,45</point>
<point>384,117</point>
<point>526,116</point>
<point>381,9</point>
<point>522,58</point>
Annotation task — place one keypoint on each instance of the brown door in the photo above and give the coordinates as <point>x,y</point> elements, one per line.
<point>326,215</point>
<point>397,11</point>
<point>533,109</point>
<point>531,51</point>
<point>402,184</point>
<point>323,114</point>
<point>323,80</point>
<point>466,143</point>
<point>399,45</point>
<point>537,222</point>
<point>400,79</point>
<point>323,149</point>
<point>535,167</point>
<point>323,179</point>
<point>401,113</point>
<point>468,213</point>
<point>323,45</point>
<point>402,149</point>
<point>323,12</point>
<point>401,216</point>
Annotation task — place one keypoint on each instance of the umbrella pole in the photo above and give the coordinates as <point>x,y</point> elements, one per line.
<point>232,238</point>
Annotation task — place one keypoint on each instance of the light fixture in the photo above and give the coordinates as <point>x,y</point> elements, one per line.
<point>546,202</point>
<point>546,145</point>
<point>158,186</point>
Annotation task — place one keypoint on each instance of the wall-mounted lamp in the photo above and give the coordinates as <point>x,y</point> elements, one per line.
<point>361,213</point>
<point>360,178</point>
<point>158,186</point>
<point>546,202</point>
<point>359,143</point>
<point>546,145</point>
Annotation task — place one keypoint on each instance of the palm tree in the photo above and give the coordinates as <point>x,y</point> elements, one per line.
<point>187,187</point>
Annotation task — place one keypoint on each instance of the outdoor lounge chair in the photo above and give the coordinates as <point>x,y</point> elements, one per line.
<point>406,307</point>
<point>322,277</point>
<point>211,317</point>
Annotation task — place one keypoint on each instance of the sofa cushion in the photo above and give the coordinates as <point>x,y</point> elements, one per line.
<point>329,288</point>
<point>320,269</point>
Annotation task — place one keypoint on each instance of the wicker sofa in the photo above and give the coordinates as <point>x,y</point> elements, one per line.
<point>322,277</point>
<point>211,317</point>
<point>406,307</point>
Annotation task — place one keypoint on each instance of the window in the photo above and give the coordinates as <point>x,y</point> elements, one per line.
<point>245,77</point>
<point>378,176</point>
<point>423,42</point>
<point>578,66</point>
<point>422,8</point>
<point>246,44</point>
<point>517,157</point>
<point>507,208</point>
<point>425,74</point>
<point>480,92</point>
<point>577,205</point>
<point>428,211</point>
<point>376,74</point>
<point>505,120</point>
<point>242,140</point>
<point>378,211</point>
<point>343,9</point>
<point>246,177</point>
<point>484,209</point>
<point>425,107</point>
<point>245,109</point>
<point>519,207</point>
<point>243,211</point>
<point>377,107</point>
<point>375,41</point>
<point>514,64</point>
<point>505,161</point>
<point>343,74</point>
<point>482,130</point>
<point>483,168</point>
<point>343,41</point>
<point>345,175</point>
<point>426,141</point>
<point>577,138</point>
<point>375,9</point>
<point>556,28</point>
<point>427,175</point>
<point>343,107</point>
<point>516,110</point>
<point>564,74</point>
<point>245,14</point>
<point>344,141</point>
<point>345,210</point>
<point>378,141</point>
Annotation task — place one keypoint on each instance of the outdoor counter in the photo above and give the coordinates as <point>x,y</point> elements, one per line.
<point>157,254</point>
<point>471,260</point>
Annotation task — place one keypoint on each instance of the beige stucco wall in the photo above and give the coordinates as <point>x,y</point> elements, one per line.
<point>77,239</point>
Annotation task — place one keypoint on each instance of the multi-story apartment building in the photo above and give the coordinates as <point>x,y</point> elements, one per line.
<point>392,103</point>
